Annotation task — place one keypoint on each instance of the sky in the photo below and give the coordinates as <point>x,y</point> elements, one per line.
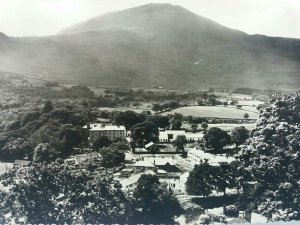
<point>47,17</point>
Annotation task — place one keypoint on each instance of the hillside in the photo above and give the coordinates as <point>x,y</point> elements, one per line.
<point>156,44</point>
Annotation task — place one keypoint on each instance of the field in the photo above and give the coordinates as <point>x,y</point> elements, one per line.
<point>139,109</point>
<point>229,126</point>
<point>225,126</point>
<point>228,112</point>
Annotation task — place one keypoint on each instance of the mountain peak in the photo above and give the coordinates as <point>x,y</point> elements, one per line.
<point>150,17</point>
<point>2,35</point>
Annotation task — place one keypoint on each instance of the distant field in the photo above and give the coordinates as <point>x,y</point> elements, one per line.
<point>229,127</point>
<point>233,95</point>
<point>250,102</point>
<point>123,109</point>
<point>216,112</point>
<point>224,126</point>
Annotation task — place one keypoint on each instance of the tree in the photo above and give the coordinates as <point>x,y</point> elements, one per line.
<point>44,153</point>
<point>179,142</point>
<point>197,181</point>
<point>144,133</point>
<point>216,138</point>
<point>156,203</point>
<point>204,126</point>
<point>54,194</point>
<point>101,142</point>
<point>239,135</point>
<point>194,127</point>
<point>48,106</point>
<point>70,137</point>
<point>160,121</point>
<point>176,124</point>
<point>272,158</point>
<point>246,116</point>
<point>111,157</point>
<point>128,119</point>
<point>156,107</point>
<point>154,149</point>
<point>204,178</point>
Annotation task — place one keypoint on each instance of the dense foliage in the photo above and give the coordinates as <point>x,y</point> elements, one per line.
<point>205,178</point>
<point>272,156</point>
<point>25,127</point>
<point>239,135</point>
<point>216,138</point>
<point>55,194</point>
<point>156,204</point>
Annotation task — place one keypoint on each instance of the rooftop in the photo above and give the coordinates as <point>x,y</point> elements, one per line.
<point>134,179</point>
<point>143,164</point>
<point>99,126</point>
<point>22,162</point>
<point>159,161</point>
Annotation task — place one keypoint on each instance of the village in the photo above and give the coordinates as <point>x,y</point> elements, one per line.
<point>171,163</point>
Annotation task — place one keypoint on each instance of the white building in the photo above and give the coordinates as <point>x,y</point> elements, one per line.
<point>194,156</point>
<point>141,166</point>
<point>194,136</point>
<point>175,182</point>
<point>97,130</point>
<point>171,135</point>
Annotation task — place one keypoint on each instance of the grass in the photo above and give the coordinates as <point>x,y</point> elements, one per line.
<point>228,112</point>
<point>224,126</point>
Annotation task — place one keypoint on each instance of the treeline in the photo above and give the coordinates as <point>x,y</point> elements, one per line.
<point>58,126</point>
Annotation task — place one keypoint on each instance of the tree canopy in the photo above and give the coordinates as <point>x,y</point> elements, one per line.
<point>272,156</point>
<point>54,194</point>
<point>216,138</point>
<point>156,204</point>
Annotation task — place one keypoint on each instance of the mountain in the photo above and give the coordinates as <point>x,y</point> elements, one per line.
<point>156,44</point>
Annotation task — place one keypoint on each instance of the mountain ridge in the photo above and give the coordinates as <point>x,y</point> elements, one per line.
<point>156,44</point>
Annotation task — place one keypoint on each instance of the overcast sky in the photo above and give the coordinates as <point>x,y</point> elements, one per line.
<point>46,17</point>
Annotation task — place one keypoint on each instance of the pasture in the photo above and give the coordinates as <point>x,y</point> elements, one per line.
<point>224,126</point>
<point>222,112</point>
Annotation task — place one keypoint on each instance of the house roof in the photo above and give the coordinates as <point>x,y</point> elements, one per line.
<point>143,164</point>
<point>22,162</point>
<point>99,126</point>
<point>159,161</point>
<point>134,179</point>
<point>161,172</point>
<point>238,220</point>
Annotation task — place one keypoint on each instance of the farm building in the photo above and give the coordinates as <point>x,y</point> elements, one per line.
<point>171,135</point>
